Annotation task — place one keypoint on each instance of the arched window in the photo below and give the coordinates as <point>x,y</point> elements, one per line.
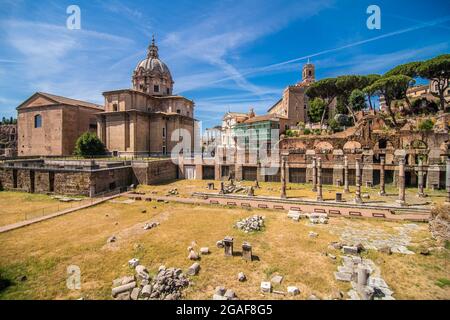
<point>37,121</point>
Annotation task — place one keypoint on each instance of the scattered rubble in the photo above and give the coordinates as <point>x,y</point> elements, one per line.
<point>204,250</point>
<point>233,188</point>
<point>224,294</point>
<point>292,290</point>
<point>314,218</point>
<point>172,192</point>
<point>111,239</point>
<point>313,234</point>
<point>193,255</point>
<point>133,263</point>
<point>249,224</point>
<point>241,277</point>
<point>365,279</point>
<point>166,285</point>
<point>150,225</point>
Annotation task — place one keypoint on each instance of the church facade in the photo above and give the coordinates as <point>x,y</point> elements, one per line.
<point>141,121</point>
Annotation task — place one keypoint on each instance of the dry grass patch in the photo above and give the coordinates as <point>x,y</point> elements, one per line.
<point>43,251</point>
<point>17,206</point>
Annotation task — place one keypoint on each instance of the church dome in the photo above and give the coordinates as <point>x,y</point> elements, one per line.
<point>151,75</point>
<point>152,64</point>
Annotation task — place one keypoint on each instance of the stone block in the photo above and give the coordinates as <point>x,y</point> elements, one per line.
<point>266,287</point>
<point>292,290</point>
<point>276,279</point>
<point>194,269</point>
<point>123,288</point>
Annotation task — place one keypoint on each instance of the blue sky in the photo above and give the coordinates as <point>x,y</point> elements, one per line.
<point>225,55</point>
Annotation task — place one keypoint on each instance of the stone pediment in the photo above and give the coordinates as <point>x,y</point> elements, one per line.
<point>40,99</point>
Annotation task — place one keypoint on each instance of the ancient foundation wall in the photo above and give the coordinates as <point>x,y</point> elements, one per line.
<point>154,171</point>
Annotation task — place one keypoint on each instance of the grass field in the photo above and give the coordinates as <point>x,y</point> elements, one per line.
<point>18,206</point>
<point>42,252</point>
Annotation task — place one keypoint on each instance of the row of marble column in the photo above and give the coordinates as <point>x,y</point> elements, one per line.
<point>317,179</point>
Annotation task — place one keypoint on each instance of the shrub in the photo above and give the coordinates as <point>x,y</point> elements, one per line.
<point>307,131</point>
<point>290,133</point>
<point>426,125</point>
<point>334,125</point>
<point>88,144</point>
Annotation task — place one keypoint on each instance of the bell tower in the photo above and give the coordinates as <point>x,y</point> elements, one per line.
<point>308,73</point>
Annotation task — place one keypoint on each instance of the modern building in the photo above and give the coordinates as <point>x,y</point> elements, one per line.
<point>140,121</point>
<point>49,125</point>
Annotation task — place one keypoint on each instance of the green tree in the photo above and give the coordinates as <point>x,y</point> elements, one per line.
<point>391,88</point>
<point>88,144</point>
<point>346,85</point>
<point>367,81</point>
<point>357,100</point>
<point>408,69</point>
<point>316,109</point>
<point>437,70</point>
<point>326,90</point>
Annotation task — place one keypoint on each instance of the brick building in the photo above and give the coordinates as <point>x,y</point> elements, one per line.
<point>49,125</point>
<point>140,121</point>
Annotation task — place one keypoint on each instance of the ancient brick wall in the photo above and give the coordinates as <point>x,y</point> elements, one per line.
<point>154,171</point>
<point>23,180</point>
<point>160,171</point>
<point>106,180</point>
<point>41,182</point>
<point>73,183</point>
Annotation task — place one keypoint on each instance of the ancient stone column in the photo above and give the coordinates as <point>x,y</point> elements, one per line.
<point>401,181</point>
<point>319,180</point>
<point>358,181</point>
<point>283,177</point>
<point>228,246</point>
<point>447,181</point>
<point>346,188</point>
<point>314,187</point>
<point>420,174</point>
<point>247,251</point>
<point>382,183</point>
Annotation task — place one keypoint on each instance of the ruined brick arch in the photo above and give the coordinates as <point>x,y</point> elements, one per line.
<point>323,146</point>
<point>351,145</point>
<point>418,144</point>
